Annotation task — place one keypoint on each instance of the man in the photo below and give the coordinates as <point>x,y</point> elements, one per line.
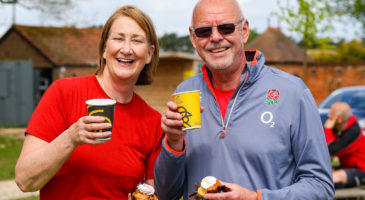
<point>261,132</point>
<point>346,140</point>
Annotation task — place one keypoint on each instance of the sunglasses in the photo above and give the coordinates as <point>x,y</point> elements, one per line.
<point>224,29</point>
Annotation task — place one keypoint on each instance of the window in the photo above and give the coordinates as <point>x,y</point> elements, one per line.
<point>314,71</point>
<point>339,72</point>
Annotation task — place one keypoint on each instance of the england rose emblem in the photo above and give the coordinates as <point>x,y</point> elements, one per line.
<point>272,97</point>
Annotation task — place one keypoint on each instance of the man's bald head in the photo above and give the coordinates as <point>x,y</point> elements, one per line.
<point>341,109</point>
<point>232,5</point>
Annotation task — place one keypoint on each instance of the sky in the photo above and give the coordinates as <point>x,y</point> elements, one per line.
<point>168,16</point>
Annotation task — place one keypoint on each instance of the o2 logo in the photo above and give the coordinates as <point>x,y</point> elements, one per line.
<point>267,118</point>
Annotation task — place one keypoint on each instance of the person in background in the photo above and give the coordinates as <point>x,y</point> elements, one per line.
<point>346,140</point>
<point>61,155</point>
<point>261,133</point>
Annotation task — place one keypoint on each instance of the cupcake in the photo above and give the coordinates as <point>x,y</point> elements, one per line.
<point>209,184</point>
<point>144,191</point>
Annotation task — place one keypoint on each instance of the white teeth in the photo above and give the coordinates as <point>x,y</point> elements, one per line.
<point>124,60</point>
<point>217,50</point>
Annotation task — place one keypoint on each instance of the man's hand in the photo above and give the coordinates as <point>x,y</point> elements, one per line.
<point>330,123</point>
<point>171,124</point>
<point>236,193</point>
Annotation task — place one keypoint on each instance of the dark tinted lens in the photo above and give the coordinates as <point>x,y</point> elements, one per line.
<point>226,29</point>
<point>203,32</point>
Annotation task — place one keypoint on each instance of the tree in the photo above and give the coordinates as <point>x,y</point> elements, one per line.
<point>253,35</point>
<point>172,42</point>
<point>307,18</point>
<point>351,51</point>
<point>50,8</point>
<point>352,8</point>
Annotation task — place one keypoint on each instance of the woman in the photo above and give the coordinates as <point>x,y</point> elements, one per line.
<point>61,155</point>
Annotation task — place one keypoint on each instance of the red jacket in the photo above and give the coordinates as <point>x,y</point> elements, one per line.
<point>348,145</point>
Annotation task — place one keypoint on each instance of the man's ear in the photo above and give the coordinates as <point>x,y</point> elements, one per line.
<point>245,31</point>
<point>192,37</point>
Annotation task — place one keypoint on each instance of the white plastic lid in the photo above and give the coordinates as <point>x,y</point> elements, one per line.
<point>100,102</point>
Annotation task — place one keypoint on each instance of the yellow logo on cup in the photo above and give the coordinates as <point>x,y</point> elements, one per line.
<point>100,111</point>
<point>189,107</point>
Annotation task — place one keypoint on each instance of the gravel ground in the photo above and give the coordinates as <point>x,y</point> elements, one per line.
<point>9,190</point>
<point>13,132</point>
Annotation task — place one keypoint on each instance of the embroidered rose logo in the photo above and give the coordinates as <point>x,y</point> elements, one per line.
<point>272,97</point>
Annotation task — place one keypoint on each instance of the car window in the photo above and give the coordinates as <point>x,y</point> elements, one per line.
<point>356,99</point>
<point>333,98</point>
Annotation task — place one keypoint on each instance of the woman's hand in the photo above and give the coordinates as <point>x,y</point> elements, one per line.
<point>87,130</point>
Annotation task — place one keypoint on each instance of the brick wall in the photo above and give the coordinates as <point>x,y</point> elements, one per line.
<point>322,79</point>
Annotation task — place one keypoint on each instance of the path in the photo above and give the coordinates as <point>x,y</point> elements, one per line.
<point>9,190</point>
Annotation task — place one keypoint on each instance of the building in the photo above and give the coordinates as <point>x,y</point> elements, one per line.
<point>58,52</point>
<point>173,68</point>
<point>321,78</point>
<point>55,52</point>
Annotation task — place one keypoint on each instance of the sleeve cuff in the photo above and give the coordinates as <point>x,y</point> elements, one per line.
<point>258,195</point>
<point>173,151</point>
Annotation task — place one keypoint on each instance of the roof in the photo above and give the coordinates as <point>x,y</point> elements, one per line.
<point>72,46</point>
<point>277,48</point>
<point>63,45</point>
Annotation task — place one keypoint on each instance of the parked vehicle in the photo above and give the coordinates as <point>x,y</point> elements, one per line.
<point>354,96</point>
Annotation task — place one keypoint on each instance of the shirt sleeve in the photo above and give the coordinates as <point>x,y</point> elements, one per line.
<point>169,173</point>
<point>346,139</point>
<point>313,176</point>
<point>330,137</point>
<point>47,120</point>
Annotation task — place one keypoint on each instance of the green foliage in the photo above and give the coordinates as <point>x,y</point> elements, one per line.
<point>30,198</point>
<point>307,18</point>
<point>325,43</point>
<point>325,56</point>
<point>173,42</point>
<point>351,51</point>
<point>253,35</point>
<point>9,152</point>
<point>351,8</point>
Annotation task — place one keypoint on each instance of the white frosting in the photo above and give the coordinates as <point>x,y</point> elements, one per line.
<point>208,182</point>
<point>146,189</point>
